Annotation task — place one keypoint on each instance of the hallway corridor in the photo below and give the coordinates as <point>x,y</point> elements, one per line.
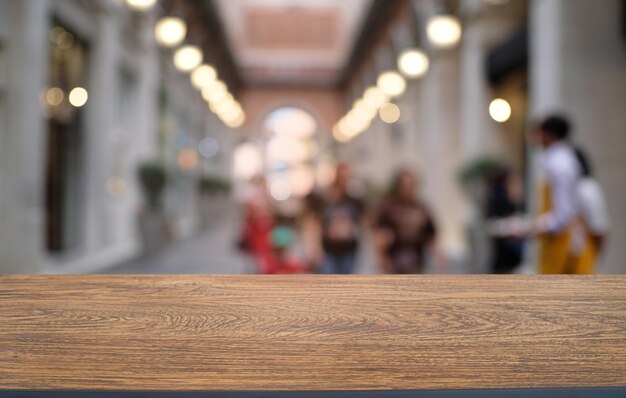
<point>213,251</point>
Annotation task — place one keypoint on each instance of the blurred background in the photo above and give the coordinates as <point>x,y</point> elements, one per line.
<point>297,136</point>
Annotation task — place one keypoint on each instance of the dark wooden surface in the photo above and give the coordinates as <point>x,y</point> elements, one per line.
<point>311,333</point>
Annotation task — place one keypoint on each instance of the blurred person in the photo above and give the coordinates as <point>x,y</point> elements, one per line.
<point>332,223</point>
<point>593,210</point>
<point>404,229</point>
<point>282,260</point>
<point>559,208</point>
<point>259,221</point>
<point>504,200</point>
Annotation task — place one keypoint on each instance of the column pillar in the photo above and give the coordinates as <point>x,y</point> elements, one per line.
<point>578,67</point>
<point>23,141</point>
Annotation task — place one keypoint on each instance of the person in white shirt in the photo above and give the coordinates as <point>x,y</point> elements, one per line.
<point>593,209</point>
<point>563,249</point>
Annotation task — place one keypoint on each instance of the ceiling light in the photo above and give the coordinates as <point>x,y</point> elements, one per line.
<point>413,63</point>
<point>375,97</point>
<point>236,123</point>
<point>203,75</point>
<point>215,92</point>
<point>141,5</point>
<point>392,84</point>
<point>500,110</point>
<point>170,31</point>
<point>365,107</point>
<point>55,96</point>
<point>444,31</point>
<point>187,58</point>
<point>390,113</point>
<point>78,97</point>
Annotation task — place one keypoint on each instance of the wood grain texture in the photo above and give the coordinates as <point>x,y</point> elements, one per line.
<point>311,332</point>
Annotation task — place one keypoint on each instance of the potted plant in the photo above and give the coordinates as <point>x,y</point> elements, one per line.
<point>152,177</point>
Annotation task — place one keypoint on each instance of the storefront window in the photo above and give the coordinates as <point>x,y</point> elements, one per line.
<point>64,101</point>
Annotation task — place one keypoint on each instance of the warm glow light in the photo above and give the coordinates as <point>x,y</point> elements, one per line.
<point>170,31</point>
<point>293,122</point>
<point>390,113</point>
<point>302,180</point>
<point>500,110</point>
<point>248,161</point>
<point>413,63</point>
<point>392,84</point>
<point>203,76</point>
<point>78,97</point>
<point>375,97</point>
<point>280,190</point>
<point>444,31</point>
<point>141,5</point>
<point>286,149</point>
<point>187,159</point>
<point>227,106</point>
<point>236,123</point>
<point>187,58</point>
<point>365,108</point>
<point>233,118</point>
<point>54,96</point>
<point>215,92</point>
<point>116,187</point>
<point>325,173</point>
<point>339,134</point>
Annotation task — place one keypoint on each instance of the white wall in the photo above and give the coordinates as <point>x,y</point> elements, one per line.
<point>108,223</point>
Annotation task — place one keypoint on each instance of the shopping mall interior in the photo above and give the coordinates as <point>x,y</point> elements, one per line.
<point>213,136</point>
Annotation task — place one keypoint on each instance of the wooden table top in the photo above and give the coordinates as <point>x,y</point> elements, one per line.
<point>243,333</point>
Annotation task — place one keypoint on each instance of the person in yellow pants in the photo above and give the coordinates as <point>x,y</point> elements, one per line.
<point>564,245</point>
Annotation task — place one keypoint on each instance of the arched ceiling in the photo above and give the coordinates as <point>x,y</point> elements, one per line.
<point>292,42</point>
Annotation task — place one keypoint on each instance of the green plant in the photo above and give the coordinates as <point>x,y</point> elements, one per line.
<point>212,184</point>
<point>153,180</point>
<point>481,168</point>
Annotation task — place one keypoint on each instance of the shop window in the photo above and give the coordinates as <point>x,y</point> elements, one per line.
<point>65,99</point>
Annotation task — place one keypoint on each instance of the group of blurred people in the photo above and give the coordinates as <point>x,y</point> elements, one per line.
<point>331,227</point>
<point>571,227</point>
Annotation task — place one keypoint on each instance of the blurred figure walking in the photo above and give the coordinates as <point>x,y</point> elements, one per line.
<point>594,214</point>
<point>259,222</point>
<point>333,224</point>
<point>404,229</point>
<point>505,201</point>
<point>559,209</point>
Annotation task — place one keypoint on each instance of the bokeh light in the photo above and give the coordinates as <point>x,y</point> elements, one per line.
<point>209,147</point>
<point>375,97</point>
<point>203,76</point>
<point>292,122</point>
<point>444,31</point>
<point>215,92</point>
<point>413,63</point>
<point>500,110</point>
<point>170,31</point>
<point>78,97</point>
<point>141,5</point>
<point>116,187</point>
<point>187,159</point>
<point>281,190</point>
<point>248,161</point>
<point>392,84</point>
<point>54,96</point>
<point>188,58</point>
<point>301,180</point>
<point>390,113</point>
